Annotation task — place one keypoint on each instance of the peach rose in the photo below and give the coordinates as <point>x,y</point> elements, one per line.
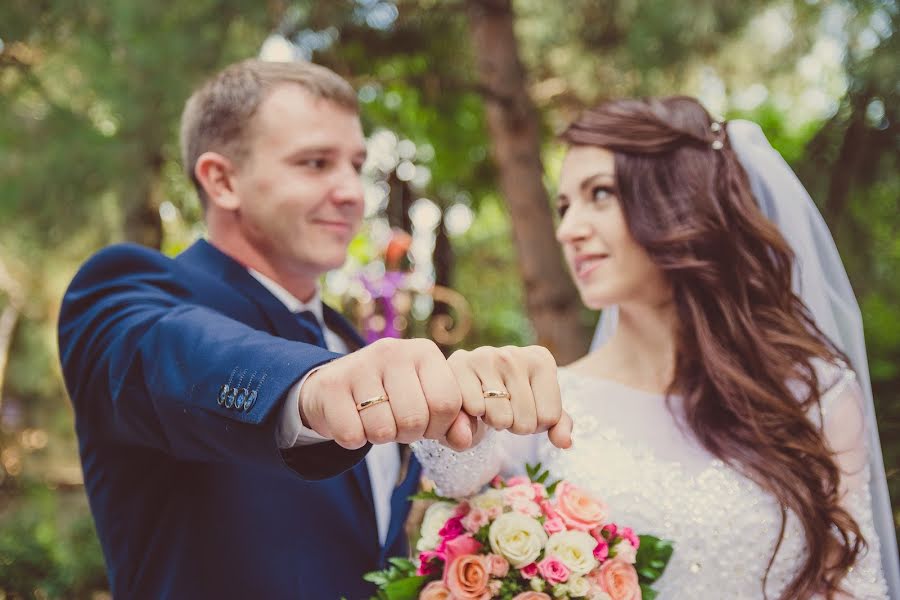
<point>532,596</point>
<point>436,590</point>
<point>467,577</point>
<point>577,509</point>
<point>619,580</point>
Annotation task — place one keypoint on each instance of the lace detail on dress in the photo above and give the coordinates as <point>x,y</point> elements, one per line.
<point>457,474</point>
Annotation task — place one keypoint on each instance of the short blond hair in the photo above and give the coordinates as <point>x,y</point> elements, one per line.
<point>218,116</point>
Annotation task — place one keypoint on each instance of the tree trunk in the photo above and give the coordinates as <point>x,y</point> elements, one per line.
<point>552,301</point>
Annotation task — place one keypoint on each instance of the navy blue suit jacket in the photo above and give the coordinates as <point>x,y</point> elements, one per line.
<point>177,369</point>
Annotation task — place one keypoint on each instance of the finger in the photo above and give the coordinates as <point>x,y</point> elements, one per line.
<point>469,384</point>
<point>521,399</point>
<point>377,420</point>
<point>407,402</point>
<point>343,420</point>
<point>440,389</point>
<point>545,387</point>
<point>561,434</point>
<point>498,412</point>
<point>461,432</point>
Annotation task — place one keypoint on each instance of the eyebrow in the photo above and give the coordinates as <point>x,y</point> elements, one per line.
<point>588,181</point>
<point>307,150</point>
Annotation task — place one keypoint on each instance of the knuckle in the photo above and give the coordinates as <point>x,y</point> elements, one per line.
<point>347,439</point>
<point>412,422</point>
<point>381,434</point>
<point>445,404</point>
<point>542,354</point>
<point>521,428</point>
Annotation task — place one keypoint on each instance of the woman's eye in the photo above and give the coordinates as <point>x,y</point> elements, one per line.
<point>601,192</point>
<point>561,210</point>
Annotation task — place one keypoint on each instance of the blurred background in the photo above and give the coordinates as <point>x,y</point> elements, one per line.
<point>461,100</point>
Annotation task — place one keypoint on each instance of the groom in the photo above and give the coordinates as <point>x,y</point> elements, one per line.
<point>225,415</point>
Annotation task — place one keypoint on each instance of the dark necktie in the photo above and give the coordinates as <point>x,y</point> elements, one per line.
<point>311,324</point>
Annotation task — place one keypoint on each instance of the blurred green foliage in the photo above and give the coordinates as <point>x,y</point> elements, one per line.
<point>90,95</point>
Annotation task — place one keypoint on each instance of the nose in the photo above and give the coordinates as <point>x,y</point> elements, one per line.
<point>347,187</point>
<point>572,229</point>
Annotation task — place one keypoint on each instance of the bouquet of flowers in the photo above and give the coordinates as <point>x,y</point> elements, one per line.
<point>524,539</point>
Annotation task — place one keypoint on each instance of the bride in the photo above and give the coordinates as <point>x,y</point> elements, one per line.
<point>714,410</point>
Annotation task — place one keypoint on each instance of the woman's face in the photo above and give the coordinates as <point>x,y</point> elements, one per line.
<point>608,265</point>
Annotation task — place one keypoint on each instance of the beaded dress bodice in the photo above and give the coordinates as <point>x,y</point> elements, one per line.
<point>630,451</point>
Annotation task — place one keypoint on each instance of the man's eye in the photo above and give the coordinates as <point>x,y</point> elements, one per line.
<point>314,163</point>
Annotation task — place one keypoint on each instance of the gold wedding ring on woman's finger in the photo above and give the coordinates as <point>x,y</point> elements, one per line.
<point>495,394</point>
<point>371,402</point>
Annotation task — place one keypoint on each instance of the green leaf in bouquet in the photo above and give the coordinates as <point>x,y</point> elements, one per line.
<point>407,588</point>
<point>552,487</point>
<point>377,577</point>
<point>482,536</point>
<point>647,593</point>
<point>652,558</point>
<point>431,495</point>
<point>405,565</point>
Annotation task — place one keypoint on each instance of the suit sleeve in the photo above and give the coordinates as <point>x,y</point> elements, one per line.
<point>147,365</point>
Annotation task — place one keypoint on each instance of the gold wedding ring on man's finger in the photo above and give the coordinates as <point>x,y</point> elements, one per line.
<point>371,402</point>
<point>495,394</point>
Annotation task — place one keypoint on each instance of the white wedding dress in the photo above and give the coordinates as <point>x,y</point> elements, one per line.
<point>629,451</point>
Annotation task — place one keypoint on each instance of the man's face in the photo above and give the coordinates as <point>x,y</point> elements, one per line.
<point>300,191</point>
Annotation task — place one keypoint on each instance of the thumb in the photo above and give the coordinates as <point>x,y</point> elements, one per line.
<point>561,434</point>
<point>461,432</point>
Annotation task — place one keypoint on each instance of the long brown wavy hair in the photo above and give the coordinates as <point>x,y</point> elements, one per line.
<point>743,334</point>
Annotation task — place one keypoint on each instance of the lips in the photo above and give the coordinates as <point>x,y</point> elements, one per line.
<point>585,264</point>
<point>341,227</point>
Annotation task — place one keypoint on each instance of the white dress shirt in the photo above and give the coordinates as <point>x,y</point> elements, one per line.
<point>382,461</point>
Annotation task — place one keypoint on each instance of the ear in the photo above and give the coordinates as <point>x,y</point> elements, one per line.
<point>216,174</point>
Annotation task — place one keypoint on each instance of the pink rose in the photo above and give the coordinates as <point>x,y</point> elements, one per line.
<point>494,511</point>
<point>619,580</point>
<point>518,480</point>
<point>499,565</point>
<point>625,551</point>
<point>554,525</point>
<point>526,507</point>
<point>467,577</point>
<point>475,520</point>
<point>548,510</point>
<point>529,595</point>
<point>609,531</point>
<point>436,590</point>
<point>601,552</point>
<point>633,539</point>
<point>452,529</point>
<point>497,482</point>
<point>460,546</point>
<point>577,509</point>
<point>529,571</point>
<point>539,490</point>
<point>553,570</point>
<point>462,509</point>
<point>427,562</point>
<point>516,493</point>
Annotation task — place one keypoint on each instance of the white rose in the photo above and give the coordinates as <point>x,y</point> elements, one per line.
<point>598,595</point>
<point>625,551</point>
<point>575,549</point>
<point>517,538</point>
<point>490,501</point>
<point>579,587</point>
<point>434,519</point>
